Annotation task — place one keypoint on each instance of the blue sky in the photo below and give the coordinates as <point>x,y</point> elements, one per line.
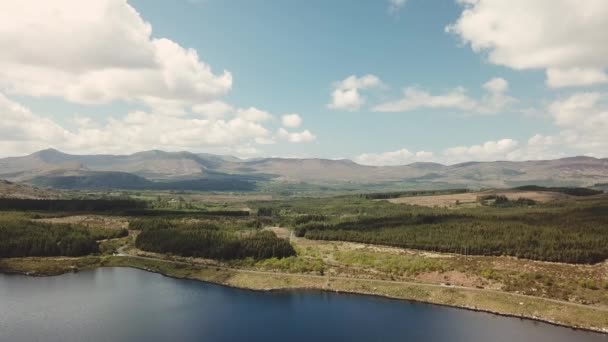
<point>485,90</point>
<point>286,57</point>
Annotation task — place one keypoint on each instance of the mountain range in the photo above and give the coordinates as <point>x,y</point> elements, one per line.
<point>198,171</point>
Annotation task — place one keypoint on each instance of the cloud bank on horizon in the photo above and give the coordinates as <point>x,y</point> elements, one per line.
<point>157,93</point>
<point>102,51</point>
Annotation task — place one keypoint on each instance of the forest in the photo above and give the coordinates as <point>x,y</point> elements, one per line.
<point>20,237</point>
<point>213,240</point>
<point>563,190</point>
<point>127,181</point>
<point>92,205</point>
<point>397,194</point>
<point>182,213</point>
<point>574,230</point>
<point>571,232</point>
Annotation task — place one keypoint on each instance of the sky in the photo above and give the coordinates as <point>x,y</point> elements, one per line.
<point>382,82</point>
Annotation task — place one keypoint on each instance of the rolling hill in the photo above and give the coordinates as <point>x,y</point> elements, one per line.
<point>24,191</point>
<point>191,171</point>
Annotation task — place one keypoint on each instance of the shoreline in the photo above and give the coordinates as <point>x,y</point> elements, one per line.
<point>422,293</point>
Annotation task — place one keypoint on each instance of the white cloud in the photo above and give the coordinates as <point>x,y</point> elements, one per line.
<point>246,151</point>
<point>291,120</point>
<point>582,123</point>
<point>253,114</point>
<point>541,147</point>
<point>583,120</point>
<point>504,149</point>
<point>394,6</point>
<point>97,52</point>
<point>557,78</point>
<point>142,131</point>
<point>496,85</point>
<point>346,94</point>
<point>567,38</point>
<point>296,137</point>
<point>213,110</point>
<point>414,98</point>
<point>494,100</point>
<point>101,51</point>
<point>22,131</point>
<point>399,157</point>
<point>488,151</point>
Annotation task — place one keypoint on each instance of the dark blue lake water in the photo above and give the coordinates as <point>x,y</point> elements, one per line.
<point>122,304</point>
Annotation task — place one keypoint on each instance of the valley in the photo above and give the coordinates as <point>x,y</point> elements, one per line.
<point>566,284</point>
<point>183,171</point>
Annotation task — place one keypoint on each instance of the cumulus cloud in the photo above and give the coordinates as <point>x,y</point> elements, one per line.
<point>557,78</point>
<point>494,100</point>
<point>581,120</point>
<point>295,137</point>
<point>213,109</point>
<point>414,98</point>
<point>291,120</point>
<point>253,114</point>
<point>138,130</point>
<point>22,131</point>
<point>102,51</point>
<point>97,52</point>
<point>347,93</point>
<point>564,37</point>
<point>394,6</point>
<point>398,157</point>
<point>491,150</point>
<point>141,130</point>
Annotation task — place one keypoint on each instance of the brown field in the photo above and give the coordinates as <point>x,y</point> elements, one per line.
<point>111,222</point>
<point>281,232</point>
<point>471,198</point>
<point>227,198</point>
<point>13,190</point>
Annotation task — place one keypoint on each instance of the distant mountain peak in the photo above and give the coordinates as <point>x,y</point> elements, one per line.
<point>51,155</point>
<point>48,151</point>
<point>579,158</point>
<point>150,153</point>
<point>162,165</point>
<point>425,164</point>
<point>465,164</point>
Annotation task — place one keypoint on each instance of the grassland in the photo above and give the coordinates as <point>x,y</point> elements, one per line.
<point>556,312</point>
<point>471,198</point>
<point>563,293</point>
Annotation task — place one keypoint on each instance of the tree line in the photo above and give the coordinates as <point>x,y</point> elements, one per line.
<point>398,194</point>
<point>184,213</point>
<point>21,237</point>
<point>565,190</point>
<point>573,236</point>
<point>70,204</point>
<point>208,240</point>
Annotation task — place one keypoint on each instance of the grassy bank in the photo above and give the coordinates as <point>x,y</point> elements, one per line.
<point>567,314</point>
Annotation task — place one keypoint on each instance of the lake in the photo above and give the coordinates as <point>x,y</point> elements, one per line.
<point>122,304</point>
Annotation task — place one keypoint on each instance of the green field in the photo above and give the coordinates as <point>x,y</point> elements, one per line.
<point>502,247</point>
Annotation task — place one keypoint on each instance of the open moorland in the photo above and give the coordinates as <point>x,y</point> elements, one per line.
<point>537,253</point>
<point>472,198</point>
